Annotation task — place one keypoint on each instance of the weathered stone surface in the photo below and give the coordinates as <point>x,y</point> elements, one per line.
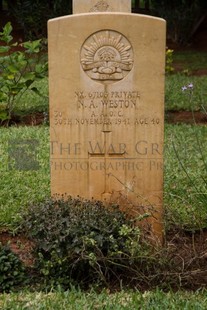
<point>94,6</point>
<point>106,80</point>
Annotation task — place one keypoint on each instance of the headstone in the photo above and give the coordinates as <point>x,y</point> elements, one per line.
<point>106,81</point>
<point>93,6</point>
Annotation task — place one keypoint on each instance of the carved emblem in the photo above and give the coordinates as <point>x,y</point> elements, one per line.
<point>100,6</point>
<point>107,56</point>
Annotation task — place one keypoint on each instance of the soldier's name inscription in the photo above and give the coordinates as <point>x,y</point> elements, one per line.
<point>112,100</point>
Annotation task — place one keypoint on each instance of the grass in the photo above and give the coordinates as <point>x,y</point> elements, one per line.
<point>191,60</point>
<point>185,185</point>
<point>77,300</point>
<point>19,188</point>
<point>184,200</point>
<point>187,61</point>
<point>175,99</point>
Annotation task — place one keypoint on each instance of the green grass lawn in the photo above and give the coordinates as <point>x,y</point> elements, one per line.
<point>185,194</point>
<point>190,60</point>
<point>182,198</point>
<point>185,189</point>
<point>18,188</point>
<point>176,99</point>
<point>77,300</point>
<point>187,62</point>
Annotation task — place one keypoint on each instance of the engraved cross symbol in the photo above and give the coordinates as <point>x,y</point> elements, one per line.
<point>107,151</point>
<point>106,148</point>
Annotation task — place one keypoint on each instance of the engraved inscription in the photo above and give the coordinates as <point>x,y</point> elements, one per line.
<point>107,56</point>
<point>100,6</point>
<point>113,100</point>
<point>114,117</point>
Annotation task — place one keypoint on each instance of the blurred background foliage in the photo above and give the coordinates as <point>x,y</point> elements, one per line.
<point>32,16</point>
<point>184,17</point>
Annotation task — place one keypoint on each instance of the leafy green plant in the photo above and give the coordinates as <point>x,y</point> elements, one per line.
<point>20,66</point>
<point>80,240</point>
<point>12,271</point>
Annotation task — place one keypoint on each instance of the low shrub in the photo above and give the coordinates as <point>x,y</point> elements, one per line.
<point>81,241</point>
<point>12,271</point>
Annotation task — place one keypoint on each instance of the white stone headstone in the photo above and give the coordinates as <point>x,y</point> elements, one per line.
<point>106,82</point>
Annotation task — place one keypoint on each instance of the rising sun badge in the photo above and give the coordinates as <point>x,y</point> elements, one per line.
<point>107,56</point>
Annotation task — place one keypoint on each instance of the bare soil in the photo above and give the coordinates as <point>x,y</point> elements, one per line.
<point>20,246</point>
<point>31,119</point>
<point>187,117</point>
<point>179,67</point>
<point>188,254</point>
